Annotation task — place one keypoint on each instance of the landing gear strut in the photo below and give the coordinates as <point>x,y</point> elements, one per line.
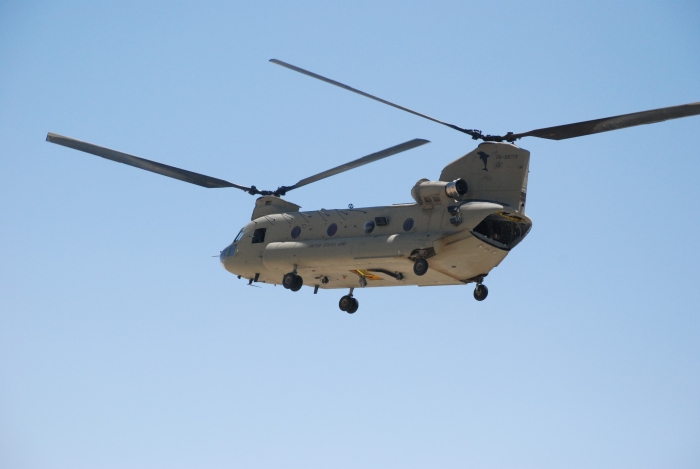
<point>348,303</point>
<point>292,281</point>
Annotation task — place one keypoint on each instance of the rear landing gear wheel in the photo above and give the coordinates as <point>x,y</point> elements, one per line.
<point>298,282</point>
<point>355,305</point>
<point>481,292</point>
<point>346,303</point>
<point>420,267</point>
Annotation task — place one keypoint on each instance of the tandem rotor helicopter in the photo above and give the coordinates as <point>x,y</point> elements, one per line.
<point>459,228</point>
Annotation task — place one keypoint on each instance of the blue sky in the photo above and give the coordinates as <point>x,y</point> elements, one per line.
<point>123,343</point>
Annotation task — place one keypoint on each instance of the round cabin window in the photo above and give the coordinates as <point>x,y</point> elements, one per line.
<point>296,231</point>
<point>408,224</point>
<point>369,227</point>
<point>332,229</point>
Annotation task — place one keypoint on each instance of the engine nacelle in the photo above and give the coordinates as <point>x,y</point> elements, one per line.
<point>431,193</point>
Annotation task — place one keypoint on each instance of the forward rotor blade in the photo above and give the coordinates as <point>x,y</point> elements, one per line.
<point>473,133</point>
<point>356,163</point>
<point>142,163</point>
<point>561,132</point>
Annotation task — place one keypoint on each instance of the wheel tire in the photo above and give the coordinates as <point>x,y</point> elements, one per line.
<point>420,267</point>
<point>481,292</point>
<point>289,280</point>
<point>355,305</point>
<point>345,303</point>
<point>298,282</point>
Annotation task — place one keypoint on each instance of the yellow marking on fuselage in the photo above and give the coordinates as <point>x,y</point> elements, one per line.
<point>366,274</point>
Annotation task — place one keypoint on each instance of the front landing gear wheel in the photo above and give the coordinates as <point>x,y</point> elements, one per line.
<point>346,303</point>
<point>298,282</point>
<point>420,267</point>
<point>292,281</point>
<point>481,292</point>
<point>288,280</point>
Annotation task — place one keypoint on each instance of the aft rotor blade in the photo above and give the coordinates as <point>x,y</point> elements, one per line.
<point>561,132</point>
<point>367,95</point>
<point>142,163</point>
<point>356,163</point>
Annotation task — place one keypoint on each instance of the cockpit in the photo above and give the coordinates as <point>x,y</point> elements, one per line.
<point>502,230</point>
<point>230,250</point>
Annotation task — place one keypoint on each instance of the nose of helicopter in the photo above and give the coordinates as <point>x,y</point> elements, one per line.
<point>226,252</point>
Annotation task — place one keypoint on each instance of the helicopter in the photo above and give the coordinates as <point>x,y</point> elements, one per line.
<point>456,230</point>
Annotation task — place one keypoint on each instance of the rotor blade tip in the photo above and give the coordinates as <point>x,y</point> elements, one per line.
<point>417,142</point>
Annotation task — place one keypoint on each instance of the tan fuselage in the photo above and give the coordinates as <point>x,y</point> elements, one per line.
<point>456,256</point>
<point>334,248</point>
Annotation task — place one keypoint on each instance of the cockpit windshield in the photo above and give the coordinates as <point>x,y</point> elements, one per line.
<point>239,235</point>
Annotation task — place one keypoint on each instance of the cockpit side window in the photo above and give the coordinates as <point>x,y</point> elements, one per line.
<point>239,235</point>
<point>259,235</point>
<point>231,250</point>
